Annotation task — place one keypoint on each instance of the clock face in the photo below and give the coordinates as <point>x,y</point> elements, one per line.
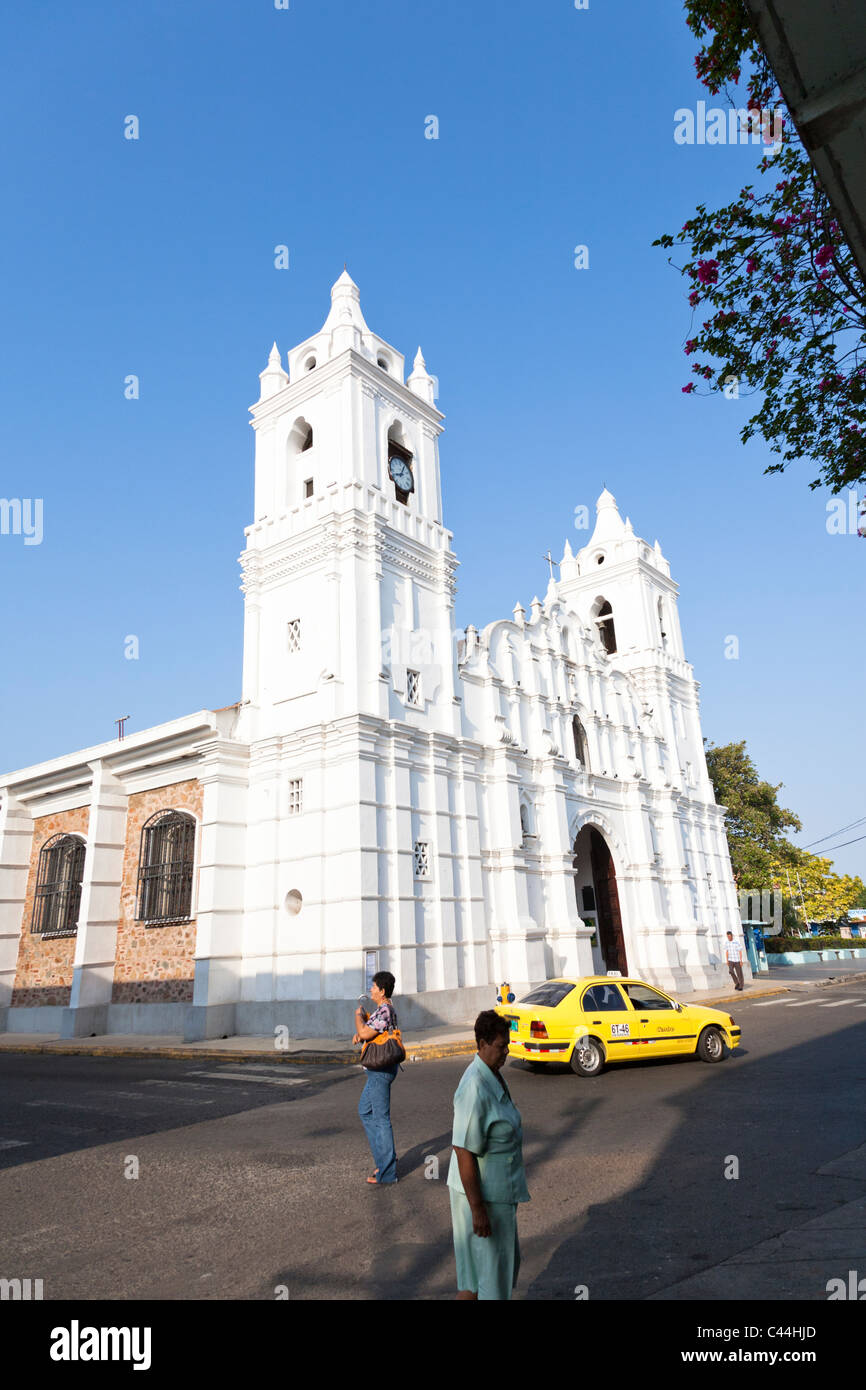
<point>401,474</point>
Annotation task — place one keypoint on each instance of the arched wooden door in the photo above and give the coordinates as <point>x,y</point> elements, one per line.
<point>610,935</point>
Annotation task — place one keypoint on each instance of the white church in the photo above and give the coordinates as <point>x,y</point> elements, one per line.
<point>461,808</point>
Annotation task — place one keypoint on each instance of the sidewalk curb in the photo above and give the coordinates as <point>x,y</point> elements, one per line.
<point>747,995</point>
<point>420,1052</point>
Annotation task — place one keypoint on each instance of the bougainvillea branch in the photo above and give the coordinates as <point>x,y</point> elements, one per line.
<point>781,302</point>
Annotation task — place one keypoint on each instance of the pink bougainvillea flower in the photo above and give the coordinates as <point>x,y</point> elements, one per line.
<point>687,389</point>
<point>708,272</point>
<point>694,298</point>
<point>751,265</point>
<point>691,344</point>
<point>823,255</point>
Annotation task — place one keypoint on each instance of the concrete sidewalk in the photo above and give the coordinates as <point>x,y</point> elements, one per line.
<point>421,1045</point>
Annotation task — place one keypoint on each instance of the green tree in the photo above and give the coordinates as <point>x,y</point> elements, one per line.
<point>825,895</point>
<point>781,302</point>
<point>754,820</point>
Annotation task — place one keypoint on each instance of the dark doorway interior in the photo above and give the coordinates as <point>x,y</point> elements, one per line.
<point>610,935</point>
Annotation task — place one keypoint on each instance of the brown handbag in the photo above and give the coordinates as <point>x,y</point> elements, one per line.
<point>385,1050</point>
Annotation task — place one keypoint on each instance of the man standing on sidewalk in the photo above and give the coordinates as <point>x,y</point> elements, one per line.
<point>734,956</point>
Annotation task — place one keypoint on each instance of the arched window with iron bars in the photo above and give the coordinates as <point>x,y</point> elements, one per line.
<point>165,866</point>
<point>57,899</point>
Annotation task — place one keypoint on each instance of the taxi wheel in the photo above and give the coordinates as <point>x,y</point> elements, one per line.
<point>587,1058</point>
<point>710,1046</point>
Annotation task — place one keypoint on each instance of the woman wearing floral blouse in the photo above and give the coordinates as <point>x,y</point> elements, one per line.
<point>374,1107</point>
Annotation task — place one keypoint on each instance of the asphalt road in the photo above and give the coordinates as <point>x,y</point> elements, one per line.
<point>251,1175</point>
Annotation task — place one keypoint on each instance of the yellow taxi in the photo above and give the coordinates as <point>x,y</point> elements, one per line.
<point>603,1018</point>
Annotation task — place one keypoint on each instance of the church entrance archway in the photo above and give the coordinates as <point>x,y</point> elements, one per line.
<point>598,899</point>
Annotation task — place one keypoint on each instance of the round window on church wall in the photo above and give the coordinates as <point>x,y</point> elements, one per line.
<point>294,902</point>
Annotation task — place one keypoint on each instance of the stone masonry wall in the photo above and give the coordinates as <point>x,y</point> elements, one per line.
<point>45,968</point>
<point>153,964</point>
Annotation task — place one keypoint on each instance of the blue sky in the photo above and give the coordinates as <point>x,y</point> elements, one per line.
<point>306,127</point>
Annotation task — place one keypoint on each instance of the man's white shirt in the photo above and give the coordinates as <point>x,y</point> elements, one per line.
<point>734,950</point>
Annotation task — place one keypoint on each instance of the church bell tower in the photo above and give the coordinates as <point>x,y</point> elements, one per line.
<point>348,574</point>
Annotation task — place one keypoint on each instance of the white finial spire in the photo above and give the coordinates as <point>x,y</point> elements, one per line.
<point>420,382</point>
<point>345,322</point>
<point>273,378</point>
<point>345,285</point>
<point>609,524</point>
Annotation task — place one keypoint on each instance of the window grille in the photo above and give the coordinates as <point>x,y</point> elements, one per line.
<point>165,865</point>
<point>422,859</point>
<point>295,635</point>
<point>296,796</point>
<point>413,687</point>
<point>57,899</point>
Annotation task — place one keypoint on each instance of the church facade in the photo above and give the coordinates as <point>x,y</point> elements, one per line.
<point>459,807</point>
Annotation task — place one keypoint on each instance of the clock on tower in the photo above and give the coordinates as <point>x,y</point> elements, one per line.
<point>400,470</point>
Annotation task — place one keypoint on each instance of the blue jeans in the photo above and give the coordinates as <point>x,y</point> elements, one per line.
<point>374,1108</point>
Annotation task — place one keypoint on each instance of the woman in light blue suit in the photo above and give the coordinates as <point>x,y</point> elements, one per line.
<point>486,1180</point>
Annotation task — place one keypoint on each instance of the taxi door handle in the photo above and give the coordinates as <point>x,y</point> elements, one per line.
<point>596,1021</point>
<point>644,1020</point>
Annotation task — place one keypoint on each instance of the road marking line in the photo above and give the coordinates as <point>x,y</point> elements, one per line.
<point>274,1068</point>
<point>124,1095</point>
<point>187,1085</point>
<point>837,1003</point>
<point>14,1143</point>
<point>65,1105</point>
<point>259,1080</point>
<point>801,1003</point>
<point>767,1003</point>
